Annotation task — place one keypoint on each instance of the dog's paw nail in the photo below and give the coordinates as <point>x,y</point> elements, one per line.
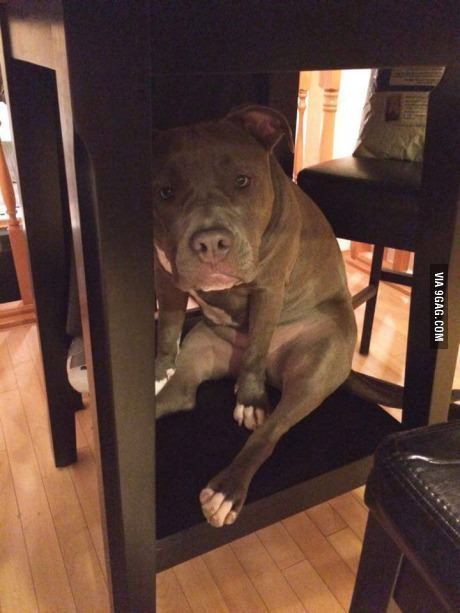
<point>238,414</point>
<point>206,494</point>
<point>259,416</point>
<point>249,418</point>
<point>219,518</point>
<point>231,518</point>
<point>213,504</point>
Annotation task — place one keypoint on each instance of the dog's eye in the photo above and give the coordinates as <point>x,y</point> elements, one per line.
<point>166,192</point>
<point>242,181</point>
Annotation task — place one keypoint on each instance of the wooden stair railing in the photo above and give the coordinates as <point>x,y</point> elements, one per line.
<point>329,81</point>
<point>23,310</point>
<point>322,89</point>
<point>302,115</point>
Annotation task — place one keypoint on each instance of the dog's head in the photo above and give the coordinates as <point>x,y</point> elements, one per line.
<point>213,197</point>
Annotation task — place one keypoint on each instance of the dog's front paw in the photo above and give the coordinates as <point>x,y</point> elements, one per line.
<point>164,370</point>
<point>250,416</point>
<point>252,405</point>
<point>222,499</point>
<point>160,381</point>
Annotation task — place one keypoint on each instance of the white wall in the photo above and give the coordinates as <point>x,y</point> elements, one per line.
<point>352,96</point>
<point>5,129</point>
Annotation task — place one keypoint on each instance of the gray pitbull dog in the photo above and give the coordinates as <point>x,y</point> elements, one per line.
<point>258,256</point>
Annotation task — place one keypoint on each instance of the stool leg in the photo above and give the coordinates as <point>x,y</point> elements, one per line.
<point>378,570</point>
<point>374,279</point>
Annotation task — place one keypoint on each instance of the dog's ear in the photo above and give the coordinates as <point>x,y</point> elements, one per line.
<point>265,124</point>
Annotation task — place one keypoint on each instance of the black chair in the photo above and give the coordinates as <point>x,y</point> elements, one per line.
<point>372,201</point>
<point>411,547</point>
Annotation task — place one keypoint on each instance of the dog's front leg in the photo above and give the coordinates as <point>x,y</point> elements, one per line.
<point>311,368</point>
<point>265,306</point>
<point>223,497</point>
<point>172,304</point>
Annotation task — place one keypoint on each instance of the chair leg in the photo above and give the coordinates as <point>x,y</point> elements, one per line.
<point>374,280</point>
<point>378,570</point>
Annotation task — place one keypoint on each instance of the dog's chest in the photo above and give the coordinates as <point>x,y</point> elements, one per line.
<point>224,313</point>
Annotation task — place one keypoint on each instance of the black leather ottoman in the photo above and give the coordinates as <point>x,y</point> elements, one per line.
<point>412,544</point>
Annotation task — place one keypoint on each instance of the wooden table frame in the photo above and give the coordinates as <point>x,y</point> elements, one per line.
<point>78,83</point>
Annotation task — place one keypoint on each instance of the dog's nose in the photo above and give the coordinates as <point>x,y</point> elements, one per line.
<point>211,245</point>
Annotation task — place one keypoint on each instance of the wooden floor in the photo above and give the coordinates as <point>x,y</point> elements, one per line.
<point>51,552</point>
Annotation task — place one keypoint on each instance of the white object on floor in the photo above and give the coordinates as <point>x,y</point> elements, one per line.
<point>76,366</point>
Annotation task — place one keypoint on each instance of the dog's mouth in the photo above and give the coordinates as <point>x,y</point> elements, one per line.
<point>217,281</point>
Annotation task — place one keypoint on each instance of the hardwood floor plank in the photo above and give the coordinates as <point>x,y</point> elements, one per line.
<point>322,556</point>
<point>82,439</point>
<point>42,544</point>
<point>266,576</point>
<point>36,411</point>
<point>388,369</point>
<point>18,346</point>
<point>84,477</point>
<point>348,546</point>
<point>7,377</point>
<point>358,493</point>
<point>2,439</point>
<point>239,594</point>
<point>170,597</point>
<point>386,343</point>
<point>353,512</point>
<point>311,590</point>
<point>85,427</point>
<point>33,341</point>
<point>199,587</point>
<point>280,545</point>
<point>35,405</point>
<point>84,570</point>
<point>86,578</point>
<point>63,500</point>
<point>17,591</point>
<point>26,476</point>
<point>80,559</point>
<point>51,582</point>
<point>326,518</point>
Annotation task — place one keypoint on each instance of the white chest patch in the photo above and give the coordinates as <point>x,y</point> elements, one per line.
<point>163,259</point>
<point>213,313</point>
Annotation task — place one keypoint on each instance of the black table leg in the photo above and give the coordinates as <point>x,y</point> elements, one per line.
<point>430,371</point>
<point>106,72</point>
